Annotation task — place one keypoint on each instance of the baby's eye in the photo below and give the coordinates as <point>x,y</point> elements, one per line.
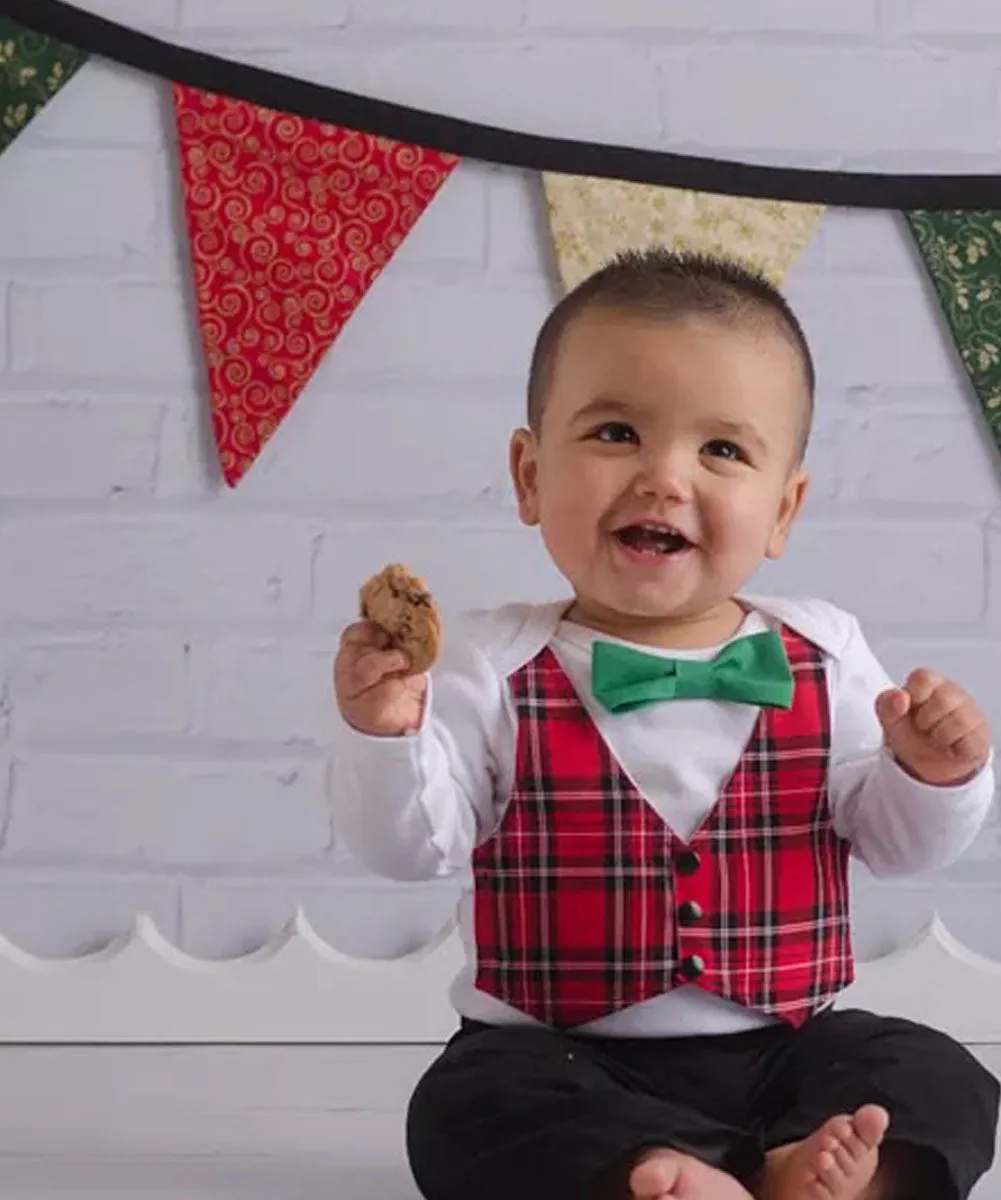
<point>722,448</point>
<point>615,432</point>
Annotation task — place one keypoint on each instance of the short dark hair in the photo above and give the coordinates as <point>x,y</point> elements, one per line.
<point>662,282</point>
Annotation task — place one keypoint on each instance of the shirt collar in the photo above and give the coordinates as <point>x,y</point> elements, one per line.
<point>820,622</point>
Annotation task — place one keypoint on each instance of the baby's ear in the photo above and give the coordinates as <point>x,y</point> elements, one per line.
<point>789,509</point>
<point>524,462</point>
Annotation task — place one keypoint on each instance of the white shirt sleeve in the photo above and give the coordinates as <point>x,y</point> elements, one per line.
<point>414,807</point>
<point>896,824</point>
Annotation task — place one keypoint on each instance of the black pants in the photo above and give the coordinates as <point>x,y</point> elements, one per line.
<point>532,1114</point>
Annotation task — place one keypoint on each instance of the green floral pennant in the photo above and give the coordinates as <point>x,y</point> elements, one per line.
<point>962,251</point>
<point>32,69</point>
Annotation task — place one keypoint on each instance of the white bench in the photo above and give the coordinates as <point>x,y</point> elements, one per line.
<point>141,1071</point>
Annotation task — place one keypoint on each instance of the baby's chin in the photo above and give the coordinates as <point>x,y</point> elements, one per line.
<point>653,611</point>
<point>637,609</point>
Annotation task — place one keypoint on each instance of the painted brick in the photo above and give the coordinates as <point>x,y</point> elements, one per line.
<point>886,571</point>
<point>153,811</point>
<point>442,328</point>
<point>520,241</point>
<point>101,329</point>
<point>4,322</point>
<point>104,103</point>
<point>858,17</point>
<point>109,212</point>
<point>93,569</point>
<point>715,16</point>
<point>59,914</point>
<point>831,480</point>
<point>512,85</point>
<point>466,566</point>
<point>144,15</point>
<point>453,228</point>
<point>265,14</point>
<point>809,263</point>
<point>890,101</point>
<point>927,16</point>
<point>936,459</point>
<point>945,398</point>
<point>866,242</point>
<point>223,918</point>
<point>870,333</point>
<point>620,19</point>
<point>338,58</point>
<point>187,461</point>
<point>462,14</point>
<point>357,444</point>
<point>63,449</point>
<point>268,690</point>
<point>7,650</point>
<point>993,534</point>
<point>101,686</point>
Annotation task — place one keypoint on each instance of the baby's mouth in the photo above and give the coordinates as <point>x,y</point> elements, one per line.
<point>654,540</point>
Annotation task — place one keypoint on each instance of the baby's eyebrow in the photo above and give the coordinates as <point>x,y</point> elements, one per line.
<point>602,406</point>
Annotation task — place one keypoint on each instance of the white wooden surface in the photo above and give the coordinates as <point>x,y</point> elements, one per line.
<point>248,1122</point>
<point>217,1123</point>
<point>291,1120</point>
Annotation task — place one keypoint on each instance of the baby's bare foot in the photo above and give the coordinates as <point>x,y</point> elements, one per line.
<point>837,1162</point>
<point>668,1175</point>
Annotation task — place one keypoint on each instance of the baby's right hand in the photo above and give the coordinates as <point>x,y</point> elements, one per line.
<point>374,692</point>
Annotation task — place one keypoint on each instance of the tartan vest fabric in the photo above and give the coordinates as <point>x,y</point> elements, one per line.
<point>586,902</point>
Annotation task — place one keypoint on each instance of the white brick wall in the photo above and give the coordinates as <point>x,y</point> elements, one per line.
<point>850,101</point>
<point>165,644</point>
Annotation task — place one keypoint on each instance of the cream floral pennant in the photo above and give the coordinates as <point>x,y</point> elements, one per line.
<point>592,220</point>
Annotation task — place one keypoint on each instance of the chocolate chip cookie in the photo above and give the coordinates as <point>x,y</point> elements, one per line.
<point>401,604</point>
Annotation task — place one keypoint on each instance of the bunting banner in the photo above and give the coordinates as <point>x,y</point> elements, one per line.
<point>592,220</point>
<point>297,195</point>
<point>962,254</point>
<point>290,222</point>
<point>33,68</point>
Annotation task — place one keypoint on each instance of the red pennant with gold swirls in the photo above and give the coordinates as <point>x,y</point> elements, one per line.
<point>290,220</point>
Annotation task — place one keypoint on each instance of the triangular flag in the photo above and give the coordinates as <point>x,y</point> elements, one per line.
<point>592,220</point>
<point>32,69</point>
<point>290,220</point>
<point>962,253</point>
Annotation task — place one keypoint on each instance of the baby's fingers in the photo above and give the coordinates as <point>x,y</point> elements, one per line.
<point>360,672</point>
<point>365,633</point>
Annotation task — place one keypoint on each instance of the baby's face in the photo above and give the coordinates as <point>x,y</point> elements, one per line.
<point>665,469</point>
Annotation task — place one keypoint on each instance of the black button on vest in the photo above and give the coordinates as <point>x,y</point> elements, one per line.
<point>690,913</point>
<point>688,862</point>
<point>692,967</point>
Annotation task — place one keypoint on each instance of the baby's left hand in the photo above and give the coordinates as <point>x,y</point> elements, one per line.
<point>934,729</point>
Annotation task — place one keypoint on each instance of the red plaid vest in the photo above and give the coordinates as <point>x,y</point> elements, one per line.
<point>585,902</point>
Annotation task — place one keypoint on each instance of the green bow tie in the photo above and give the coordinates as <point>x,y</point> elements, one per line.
<point>751,670</point>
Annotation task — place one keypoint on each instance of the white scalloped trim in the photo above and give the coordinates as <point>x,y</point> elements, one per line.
<point>298,988</point>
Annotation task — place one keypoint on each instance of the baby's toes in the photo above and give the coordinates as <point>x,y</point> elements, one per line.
<point>831,1168</point>
<point>869,1125</point>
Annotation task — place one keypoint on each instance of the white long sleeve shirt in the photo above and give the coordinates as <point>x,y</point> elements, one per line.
<point>415,807</point>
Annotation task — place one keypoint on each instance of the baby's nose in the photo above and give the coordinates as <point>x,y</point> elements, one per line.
<point>666,474</point>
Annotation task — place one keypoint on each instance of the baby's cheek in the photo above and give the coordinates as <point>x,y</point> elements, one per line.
<point>757,516</point>
<point>745,537</point>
